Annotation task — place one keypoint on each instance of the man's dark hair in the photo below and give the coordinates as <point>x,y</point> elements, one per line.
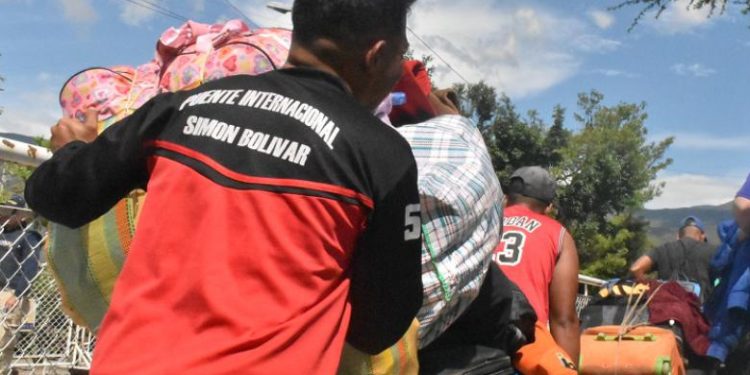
<point>353,23</point>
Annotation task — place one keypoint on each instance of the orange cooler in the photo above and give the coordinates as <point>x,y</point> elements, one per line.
<point>640,351</point>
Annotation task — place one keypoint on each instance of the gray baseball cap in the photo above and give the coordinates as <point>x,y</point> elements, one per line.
<point>534,182</point>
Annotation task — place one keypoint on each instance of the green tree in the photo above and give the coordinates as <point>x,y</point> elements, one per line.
<point>557,138</point>
<point>608,170</point>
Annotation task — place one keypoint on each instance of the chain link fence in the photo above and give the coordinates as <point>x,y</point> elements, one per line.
<point>36,337</point>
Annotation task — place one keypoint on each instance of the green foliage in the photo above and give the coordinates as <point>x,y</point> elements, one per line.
<point>13,178</point>
<point>607,251</point>
<point>605,169</point>
<point>608,161</point>
<point>41,141</point>
<point>659,6</point>
<point>512,140</point>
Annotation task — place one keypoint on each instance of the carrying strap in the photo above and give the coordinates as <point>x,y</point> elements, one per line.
<point>447,294</point>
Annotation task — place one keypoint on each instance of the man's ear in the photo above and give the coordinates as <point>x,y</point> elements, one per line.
<point>549,209</point>
<point>375,55</point>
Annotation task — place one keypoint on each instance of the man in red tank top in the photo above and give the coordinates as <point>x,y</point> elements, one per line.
<point>540,256</point>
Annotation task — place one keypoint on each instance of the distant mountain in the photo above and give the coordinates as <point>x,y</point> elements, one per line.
<point>19,137</point>
<point>664,223</point>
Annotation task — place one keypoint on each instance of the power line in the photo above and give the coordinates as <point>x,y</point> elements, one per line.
<point>240,12</point>
<point>438,55</point>
<point>158,9</point>
<point>164,9</point>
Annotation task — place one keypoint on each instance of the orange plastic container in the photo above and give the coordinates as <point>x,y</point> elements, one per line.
<point>640,351</point>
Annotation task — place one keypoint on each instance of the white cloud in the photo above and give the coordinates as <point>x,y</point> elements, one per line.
<point>615,73</point>
<point>199,5</point>
<point>134,14</point>
<point>686,190</point>
<point>78,11</point>
<point>31,113</point>
<point>681,17</point>
<point>709,142</point>
<point>602,19</point>
<point>595,43</point>
<point>695,70</point>
<point>518,49</point>
<point>43,76</point>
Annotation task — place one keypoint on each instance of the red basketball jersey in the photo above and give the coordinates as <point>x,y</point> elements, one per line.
<point>528,252</point>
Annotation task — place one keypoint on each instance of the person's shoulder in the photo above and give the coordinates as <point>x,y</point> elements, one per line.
<point>455,134</point>
<point>664,247</point>
<point>706,247</point>
<point>673,243</point>
<point>455,125</point>
<point>692,243</point>
<point>551,221</point>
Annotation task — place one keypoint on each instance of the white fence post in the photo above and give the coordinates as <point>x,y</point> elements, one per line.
<point>23,153</point>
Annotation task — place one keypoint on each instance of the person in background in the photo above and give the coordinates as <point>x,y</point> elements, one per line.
<point>539,255</point>
<point>19,265</point>
<point>688,258</point>
<point>728,308</point>
<point>282,218</point>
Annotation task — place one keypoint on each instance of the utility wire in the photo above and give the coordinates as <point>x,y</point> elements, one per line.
<point>163,8</point>
<point>240,12</point>
<point>438,55</point>
<point>158,9</point>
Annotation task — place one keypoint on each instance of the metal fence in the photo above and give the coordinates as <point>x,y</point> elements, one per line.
<point>36,337</point>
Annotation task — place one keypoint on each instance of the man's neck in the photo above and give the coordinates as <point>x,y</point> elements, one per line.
<point>528,207</point>
<point>301,56</point>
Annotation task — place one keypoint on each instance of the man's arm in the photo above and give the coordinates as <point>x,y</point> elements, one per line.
<point>84,180</point>
<point>386,278</point>
<point>641,267</point>
<point>563,291</point>
<point>742,214</point>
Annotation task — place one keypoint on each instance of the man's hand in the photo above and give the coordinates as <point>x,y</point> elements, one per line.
<point>444,102</point>
<point>641,267</point>
<point>67,130</point>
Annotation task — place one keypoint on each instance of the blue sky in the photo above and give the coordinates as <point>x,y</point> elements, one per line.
<point>691,70</point>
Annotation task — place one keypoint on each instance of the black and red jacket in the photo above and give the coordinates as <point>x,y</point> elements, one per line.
<point>281,219</point>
